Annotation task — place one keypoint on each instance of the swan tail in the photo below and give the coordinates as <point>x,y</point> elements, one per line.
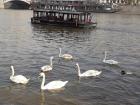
<point>99,73</point>
<point>28,79</point>
<point>66,82</point>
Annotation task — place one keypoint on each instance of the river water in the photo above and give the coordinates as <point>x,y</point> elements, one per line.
<point>28,47</point>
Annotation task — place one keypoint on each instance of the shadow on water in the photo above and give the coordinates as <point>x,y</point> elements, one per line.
<point>50,28</point>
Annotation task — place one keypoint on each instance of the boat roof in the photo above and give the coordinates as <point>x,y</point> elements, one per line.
<point>60,11</point>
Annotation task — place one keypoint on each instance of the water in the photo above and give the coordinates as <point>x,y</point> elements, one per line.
<point>28,47</point>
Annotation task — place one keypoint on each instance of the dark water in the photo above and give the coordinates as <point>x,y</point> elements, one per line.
<point>28,47</point>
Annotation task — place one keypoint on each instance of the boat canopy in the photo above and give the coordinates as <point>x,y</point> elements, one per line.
<point>63,12</point>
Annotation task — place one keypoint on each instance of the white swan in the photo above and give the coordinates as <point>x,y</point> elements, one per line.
<point>65,56</point>
<point>54,85</point>
<point>48,67</point>
<point>18,78</point>
<point>112,62</point>
<point>88,73</point>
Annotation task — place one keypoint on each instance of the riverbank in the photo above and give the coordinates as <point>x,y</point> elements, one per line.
<point>130,10</point>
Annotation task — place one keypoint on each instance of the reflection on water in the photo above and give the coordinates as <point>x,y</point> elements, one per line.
<point>43,102</point>
<point>28,47</point>
<point>60,33</point>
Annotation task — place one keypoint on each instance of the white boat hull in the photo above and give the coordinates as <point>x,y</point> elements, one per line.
<point>16,4</point>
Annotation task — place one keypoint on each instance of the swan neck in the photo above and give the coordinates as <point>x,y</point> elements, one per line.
<point>43,82</point>
<point>105,56</point>
<point>79,73</point>
<point>13,71</point>
<point>51,62</point>
<point>60,52</point>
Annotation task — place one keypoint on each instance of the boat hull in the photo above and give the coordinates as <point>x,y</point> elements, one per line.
<point>16,5</point>
<point>62,23</point>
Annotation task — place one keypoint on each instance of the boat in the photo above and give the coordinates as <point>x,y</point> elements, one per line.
<point>83,5</point>
<point>63,18</point>
<point>16,4</point>
<point>106,8</point>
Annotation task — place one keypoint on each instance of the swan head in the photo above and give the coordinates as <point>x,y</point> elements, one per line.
<point>12,67</point>
<point>41,74</point>
<point>77,64</point>
<point>78,67</point>
<point>52,57</point>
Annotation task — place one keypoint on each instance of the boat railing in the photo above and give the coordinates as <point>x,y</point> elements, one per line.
<point>61,19</point>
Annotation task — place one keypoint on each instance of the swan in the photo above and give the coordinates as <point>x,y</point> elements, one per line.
<point>18,78</point>
<point>48,67</point>
<point>88,73</point>
<point>65,56</point>
<point>113,62</point>
<point>53,85</point>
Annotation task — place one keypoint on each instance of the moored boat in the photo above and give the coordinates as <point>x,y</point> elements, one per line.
<point>16,4</point>
<point>63,18</point>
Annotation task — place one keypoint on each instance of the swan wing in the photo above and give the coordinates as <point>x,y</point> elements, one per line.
<point>19,79</point>
<point>56,84</point>
<point>46,68</point>
<point>67,56</point>
<point>111,62</point>
<point>91,73</point>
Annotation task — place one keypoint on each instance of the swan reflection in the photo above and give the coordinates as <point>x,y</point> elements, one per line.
<point>42,100</point>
